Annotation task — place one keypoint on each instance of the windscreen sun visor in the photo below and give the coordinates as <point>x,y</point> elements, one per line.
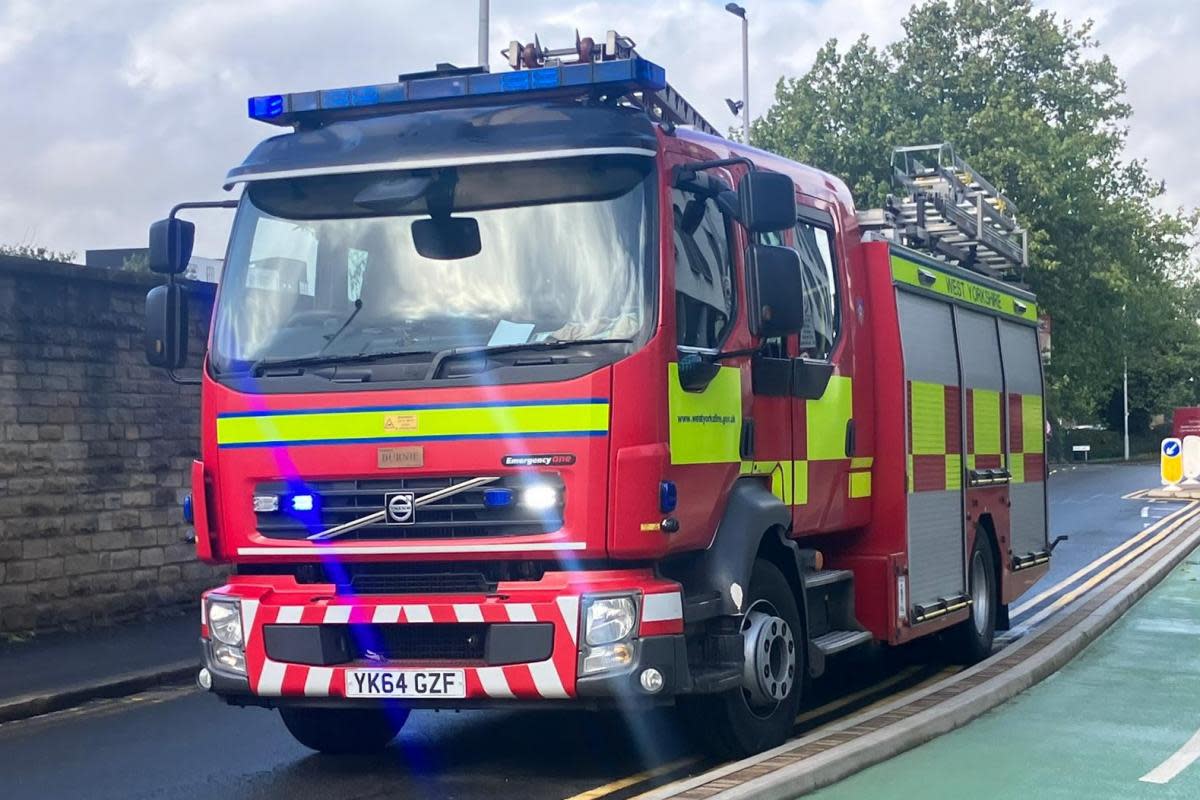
<point>457,136</point>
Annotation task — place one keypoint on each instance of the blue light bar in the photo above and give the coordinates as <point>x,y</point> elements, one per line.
<point>458,89</point>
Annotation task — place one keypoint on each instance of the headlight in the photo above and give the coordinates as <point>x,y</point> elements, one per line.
<point>609,619</point>
<point>225,622</point>
<point>539,498</point>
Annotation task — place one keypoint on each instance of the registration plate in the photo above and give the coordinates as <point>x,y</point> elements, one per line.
<point>407,683</point>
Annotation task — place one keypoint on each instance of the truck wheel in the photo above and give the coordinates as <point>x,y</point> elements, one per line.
<point>341,731</point>
<point>971,641</point>
<point>761,712</point>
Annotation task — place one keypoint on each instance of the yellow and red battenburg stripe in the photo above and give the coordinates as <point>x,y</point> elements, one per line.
<point>934,436</point>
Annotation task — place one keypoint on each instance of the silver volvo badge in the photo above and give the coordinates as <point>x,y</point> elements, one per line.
<point>399,508</point>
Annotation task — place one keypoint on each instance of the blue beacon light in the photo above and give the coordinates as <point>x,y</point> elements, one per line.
<point>636,74</point>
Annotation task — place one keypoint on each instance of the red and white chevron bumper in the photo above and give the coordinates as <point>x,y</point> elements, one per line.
<point>556,599</point>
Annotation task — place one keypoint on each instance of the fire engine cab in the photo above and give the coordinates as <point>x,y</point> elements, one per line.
<point>532,388</point>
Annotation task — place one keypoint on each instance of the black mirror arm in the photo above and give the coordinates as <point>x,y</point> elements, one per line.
<point>749,351</point>
<point>202,204</point>
<point>178,381</point>
<point>196,204</point>
<point>684,173</point>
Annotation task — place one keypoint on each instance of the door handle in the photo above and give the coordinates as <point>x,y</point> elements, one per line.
<point>851,437</point>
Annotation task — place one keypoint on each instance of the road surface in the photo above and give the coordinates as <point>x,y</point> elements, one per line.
<point>181,743</point>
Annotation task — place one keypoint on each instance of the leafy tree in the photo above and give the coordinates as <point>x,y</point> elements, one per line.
<point>1030,101</point>
<point>36,252</point>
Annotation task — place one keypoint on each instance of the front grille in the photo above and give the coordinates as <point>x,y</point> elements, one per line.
<point>461,515</point>
<point>422,642</point>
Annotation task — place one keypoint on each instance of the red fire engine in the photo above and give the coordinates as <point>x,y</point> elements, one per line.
<point>531,387</point>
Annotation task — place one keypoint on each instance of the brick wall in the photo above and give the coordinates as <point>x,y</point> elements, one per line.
<point>95,452</point>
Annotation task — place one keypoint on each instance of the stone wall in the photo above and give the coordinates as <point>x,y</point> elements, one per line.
<point>95,451</point>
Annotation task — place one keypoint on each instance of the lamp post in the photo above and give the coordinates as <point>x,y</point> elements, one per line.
<point>483,32</point>
<point>738,11</point>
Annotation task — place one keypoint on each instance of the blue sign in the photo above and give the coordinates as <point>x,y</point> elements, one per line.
<point>1170,447</point>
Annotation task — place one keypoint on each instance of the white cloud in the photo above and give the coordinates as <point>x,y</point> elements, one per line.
<point>133,105</point>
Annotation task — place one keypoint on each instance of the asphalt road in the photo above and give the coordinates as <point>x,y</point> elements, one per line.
<point>180,743</point>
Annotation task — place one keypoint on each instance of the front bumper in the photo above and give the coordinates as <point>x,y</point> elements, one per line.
<point>301,640</point>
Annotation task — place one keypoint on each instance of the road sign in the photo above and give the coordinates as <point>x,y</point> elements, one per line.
<point>1171,462</point>
<point>1191,459</point>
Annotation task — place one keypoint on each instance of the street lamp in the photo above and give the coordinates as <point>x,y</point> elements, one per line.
<point>738,11</point>
<point>484,23</point>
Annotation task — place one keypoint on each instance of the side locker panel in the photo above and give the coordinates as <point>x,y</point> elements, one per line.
<point>934,426</point>
<point>983,382</point>
<point>1026,438</point>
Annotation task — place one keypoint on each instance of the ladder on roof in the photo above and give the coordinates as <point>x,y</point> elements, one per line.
<point>664,105</point>
<point>951,211</point>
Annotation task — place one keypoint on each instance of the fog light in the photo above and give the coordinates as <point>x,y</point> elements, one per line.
<point>265,503</point>
<point>204,679</point>
<point>651,680</point>
<point>607,657</point>
<point>232,658</point>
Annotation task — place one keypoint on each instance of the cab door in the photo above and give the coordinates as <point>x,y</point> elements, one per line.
<point>823,426</point>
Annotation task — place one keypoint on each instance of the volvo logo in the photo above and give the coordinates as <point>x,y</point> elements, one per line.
<point>399,508</point>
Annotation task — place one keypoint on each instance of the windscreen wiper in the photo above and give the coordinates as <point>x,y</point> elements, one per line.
<point>318,360</point>
<point>453,353</point>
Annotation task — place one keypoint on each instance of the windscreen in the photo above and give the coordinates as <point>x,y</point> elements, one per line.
<point>423,261</point>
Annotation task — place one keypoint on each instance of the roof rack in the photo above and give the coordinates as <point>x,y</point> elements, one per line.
<point>951,211</point>
<point>610,72</point>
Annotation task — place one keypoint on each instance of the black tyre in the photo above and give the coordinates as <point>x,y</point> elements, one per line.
<point>341,731</point>
<point>761,712</point>
<point>971,641</point>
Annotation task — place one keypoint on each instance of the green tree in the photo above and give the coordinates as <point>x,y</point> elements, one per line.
<point>36,252</point>
<point>1030,101</point>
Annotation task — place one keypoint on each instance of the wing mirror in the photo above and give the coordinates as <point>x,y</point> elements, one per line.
<point>776,291</point>
<point>766,201</point>
<point>171,242</point>
<point>167,326</point>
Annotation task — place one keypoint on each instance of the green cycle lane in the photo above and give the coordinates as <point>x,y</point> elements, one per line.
<point>1094,729</point>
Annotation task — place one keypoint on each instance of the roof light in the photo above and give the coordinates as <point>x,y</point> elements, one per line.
<point>459,88</point>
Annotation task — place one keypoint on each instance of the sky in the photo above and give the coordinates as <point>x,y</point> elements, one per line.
<point>115,110</point>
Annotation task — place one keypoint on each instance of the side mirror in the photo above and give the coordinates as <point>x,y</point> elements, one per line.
<point>766,201</point>
<point>171,243</point>
<point>776,290</point>
<point>167,326</point>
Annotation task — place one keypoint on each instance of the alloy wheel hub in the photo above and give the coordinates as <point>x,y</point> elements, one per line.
<point>769,666</point>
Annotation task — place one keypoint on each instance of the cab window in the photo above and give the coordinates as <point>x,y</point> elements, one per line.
<point>703,281</point>
<point>822,319</point>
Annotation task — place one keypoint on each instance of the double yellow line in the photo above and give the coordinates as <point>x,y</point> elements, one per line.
<point>1136,545</point>
<point>843,702</point>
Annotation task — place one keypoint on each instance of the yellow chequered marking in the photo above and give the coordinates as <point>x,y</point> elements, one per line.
<point>986,422</point>
<point>1031,423</point>
<point>827,418</point>
<point>928,419</point>
<point>860,485</point>
<point>705,427</point>
<point>953,471</point>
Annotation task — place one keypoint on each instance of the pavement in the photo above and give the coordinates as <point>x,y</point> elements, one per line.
<point>58,670</point>
<point>169,742</point>
<point>1120,721</point>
